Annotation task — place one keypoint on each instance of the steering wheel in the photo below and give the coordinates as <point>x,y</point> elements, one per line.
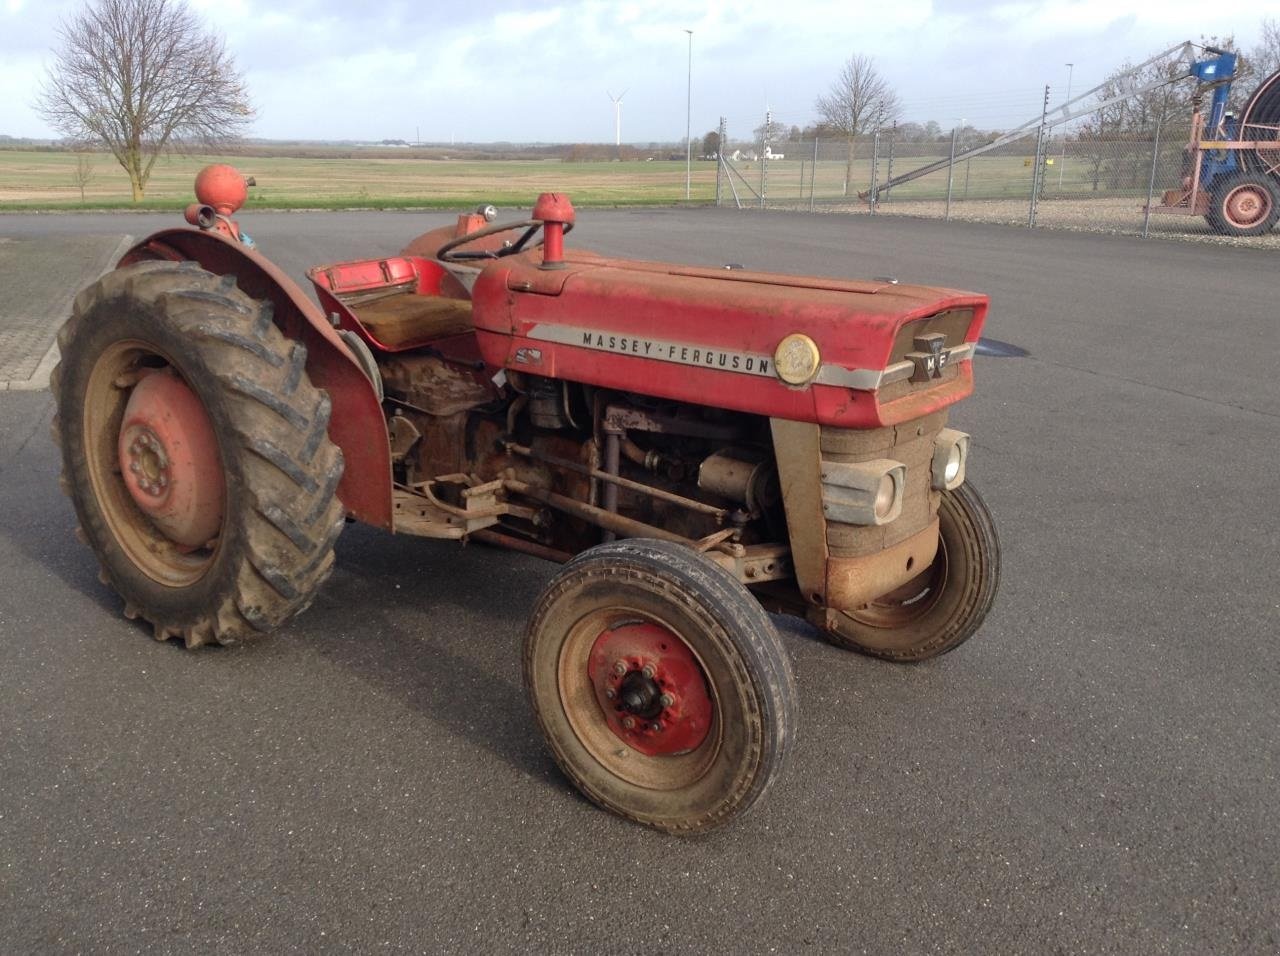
<point>449,251</point>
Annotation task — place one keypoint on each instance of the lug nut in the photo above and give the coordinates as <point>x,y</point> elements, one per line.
<point>610,693</point>
<point>628,722</point>
<point>133,467</point>
<point>648,671</point>
<point>620,668</point>
<point>656,727</point>
<point>162,480</point>
<point>666,700</point>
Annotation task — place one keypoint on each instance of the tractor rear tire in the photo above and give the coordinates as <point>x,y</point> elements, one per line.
<point>265,475</point>
<point>1244,204</point>
<point>946,604</point>
<point>660,685</point>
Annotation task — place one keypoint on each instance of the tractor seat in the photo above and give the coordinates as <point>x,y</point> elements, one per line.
<point>406,318</point>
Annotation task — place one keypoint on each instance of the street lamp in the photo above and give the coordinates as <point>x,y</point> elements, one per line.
<point>1062,162</point>
<point>688,114</point>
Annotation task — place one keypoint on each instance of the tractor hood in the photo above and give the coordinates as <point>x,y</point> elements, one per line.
<point>837,352</point>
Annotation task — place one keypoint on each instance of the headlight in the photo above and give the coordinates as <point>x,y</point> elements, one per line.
<point>866,492</point>
<point>796,359</point>
<point>950,455</point>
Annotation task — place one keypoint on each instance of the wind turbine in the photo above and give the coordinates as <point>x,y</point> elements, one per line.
<point>617,116</point>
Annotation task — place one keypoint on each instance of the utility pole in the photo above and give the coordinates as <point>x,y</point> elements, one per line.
<point>688,116</point>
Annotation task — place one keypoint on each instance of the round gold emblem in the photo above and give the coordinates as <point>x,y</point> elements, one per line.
<point>796,359</point>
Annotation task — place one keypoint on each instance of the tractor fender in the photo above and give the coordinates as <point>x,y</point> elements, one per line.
<point>356,422</point>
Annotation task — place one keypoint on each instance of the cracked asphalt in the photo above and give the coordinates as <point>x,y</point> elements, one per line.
<point>1096,771</point>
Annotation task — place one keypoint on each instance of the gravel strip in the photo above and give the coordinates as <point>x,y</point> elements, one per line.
<point>1121,217</point>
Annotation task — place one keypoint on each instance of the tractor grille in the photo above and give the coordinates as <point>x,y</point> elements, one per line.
<point>910,443</point>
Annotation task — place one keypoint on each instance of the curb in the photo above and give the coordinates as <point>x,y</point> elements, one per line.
<point>40,377</point>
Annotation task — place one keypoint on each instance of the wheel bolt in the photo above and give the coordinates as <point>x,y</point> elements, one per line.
<point>620,668</point>
<point>628,722</point>
<point>656,727</point>
<point>666,700</point>
<point>648,671</point>
<point>610,693</point>
<point>133,467</point>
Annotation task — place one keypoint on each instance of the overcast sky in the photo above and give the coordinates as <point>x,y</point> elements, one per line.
<point>540,71</point>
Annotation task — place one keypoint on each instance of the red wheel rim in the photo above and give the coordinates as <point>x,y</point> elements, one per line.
<point>1246,206</point>
<point>650,688</point>
<point>150,524</point>
<point>169,460</point>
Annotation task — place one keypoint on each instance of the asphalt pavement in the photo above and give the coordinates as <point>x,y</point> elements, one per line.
<point>1096,771</point>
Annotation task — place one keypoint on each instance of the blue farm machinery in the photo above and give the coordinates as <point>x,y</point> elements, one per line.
<point>1231,165</point>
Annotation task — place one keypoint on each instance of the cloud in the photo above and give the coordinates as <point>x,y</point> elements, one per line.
<point>516,70</point>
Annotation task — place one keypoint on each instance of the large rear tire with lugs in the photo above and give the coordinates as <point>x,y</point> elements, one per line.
<point>660,684</point>
<point>196,453</point>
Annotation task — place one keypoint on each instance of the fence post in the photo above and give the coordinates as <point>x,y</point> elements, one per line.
<point>813,173</point>
<point>720,142</point>
<point>951,174</point>
<point>1151,183</point>
<point>893,138</point>
<point>1039,161</point>
<point>764,152</point>
<point>875,167</point>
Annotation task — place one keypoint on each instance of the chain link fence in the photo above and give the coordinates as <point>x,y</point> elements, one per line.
<point>1066,178</point>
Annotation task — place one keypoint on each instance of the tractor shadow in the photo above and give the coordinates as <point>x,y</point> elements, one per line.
<point>439,627</point>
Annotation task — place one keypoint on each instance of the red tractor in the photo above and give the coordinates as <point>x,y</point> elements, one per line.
<point>693,445</point>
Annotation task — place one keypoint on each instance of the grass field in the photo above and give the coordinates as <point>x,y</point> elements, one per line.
<point>46,180</point>
<point>31,180</point>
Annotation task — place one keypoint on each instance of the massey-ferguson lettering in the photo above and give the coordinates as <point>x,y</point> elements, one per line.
<point>694,446</point>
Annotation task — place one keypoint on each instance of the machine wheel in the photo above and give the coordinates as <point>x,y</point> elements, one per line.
<point>195,450</point>
<point>661,685</point>
<point>941,608</point>
<point>1244,204</point>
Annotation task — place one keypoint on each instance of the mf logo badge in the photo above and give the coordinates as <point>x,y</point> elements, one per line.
<point>929,358</point>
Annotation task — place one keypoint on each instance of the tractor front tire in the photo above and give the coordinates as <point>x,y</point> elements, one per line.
<point>1244,204</point>
<point>660,685</point>
<point>943,606</point>
<point>196,453</point>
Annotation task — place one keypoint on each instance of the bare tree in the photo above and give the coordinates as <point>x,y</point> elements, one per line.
<point>142,77</point>
<point>84,170</point>
<point>859,98</point>
<point>1265,56</point>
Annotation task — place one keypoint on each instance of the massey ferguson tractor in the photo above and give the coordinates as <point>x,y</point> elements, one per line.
<point>694,446</point>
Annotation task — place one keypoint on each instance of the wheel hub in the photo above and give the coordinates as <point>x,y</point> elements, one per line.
<point>1246,206</point>
<point>169,460</point>
<point>650,688</point>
